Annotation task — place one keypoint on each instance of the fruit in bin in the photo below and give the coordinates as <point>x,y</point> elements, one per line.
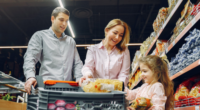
<point>60,108</point>
<point>60,103</point>
<point>51,106</point>
<point>70,106</point>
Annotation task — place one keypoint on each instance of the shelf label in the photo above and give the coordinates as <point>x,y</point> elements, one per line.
<point>193,21</point>
<point>173,43</point>
<point>196,107</point>
<point>164,24</point>
<point>166,50</point>
<point>199,62</point>
<point>170,15</point>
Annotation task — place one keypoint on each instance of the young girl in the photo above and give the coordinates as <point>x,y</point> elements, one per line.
<point>157,87</point>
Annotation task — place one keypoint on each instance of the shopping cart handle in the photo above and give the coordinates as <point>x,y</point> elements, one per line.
<point>32,90</point>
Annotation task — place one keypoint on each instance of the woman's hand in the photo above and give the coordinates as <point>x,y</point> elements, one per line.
<point>130,108</point>
<point>84,78</point>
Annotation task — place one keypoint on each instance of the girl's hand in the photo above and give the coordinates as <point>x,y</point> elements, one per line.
<point>130,108</point>
<point>127,92</point>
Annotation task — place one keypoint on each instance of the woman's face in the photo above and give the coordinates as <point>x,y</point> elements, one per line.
<point>114,35</point>
<point>147,74</point>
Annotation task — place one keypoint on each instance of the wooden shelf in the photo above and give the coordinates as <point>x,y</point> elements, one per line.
<point>170,20</point>
<point>164,25</point>
<point>197,107</point>
<point>135,69</point>
<point>185,30</point>
<point>188,68</point>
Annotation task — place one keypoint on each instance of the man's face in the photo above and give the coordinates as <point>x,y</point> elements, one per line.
<point>59,24</point>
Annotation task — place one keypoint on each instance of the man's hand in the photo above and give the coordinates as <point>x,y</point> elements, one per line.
<point>29,83</point>
<point>84,78</point>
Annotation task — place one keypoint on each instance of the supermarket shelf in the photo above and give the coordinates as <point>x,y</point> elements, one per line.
<point>164,25</point>
<point>188,108</point>
<point>188,68</point>
<point>136,83</point>
<point>185,30</point>
<point>151,46</point>
<point>135,69</point>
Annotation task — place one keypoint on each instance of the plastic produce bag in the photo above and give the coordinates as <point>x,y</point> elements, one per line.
<point>141,103</point>
<point>102,85</point>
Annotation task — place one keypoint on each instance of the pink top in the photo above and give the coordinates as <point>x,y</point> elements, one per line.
<point>154,92</point>
<point>100,64</point>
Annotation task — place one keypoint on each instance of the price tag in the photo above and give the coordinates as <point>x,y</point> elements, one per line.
<point>193,21</point>
<point>196,107</point>
<point>170,15</point>
<point>158,34</point>
<point>166,50</point>
<point>164,25</point>
<point>199,62</point>
<point>173,43</point>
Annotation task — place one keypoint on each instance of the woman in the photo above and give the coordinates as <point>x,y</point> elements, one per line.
<point>109,59</point>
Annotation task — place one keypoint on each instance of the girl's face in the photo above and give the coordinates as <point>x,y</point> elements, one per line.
<point>114,35</point>
<point>147,74</point>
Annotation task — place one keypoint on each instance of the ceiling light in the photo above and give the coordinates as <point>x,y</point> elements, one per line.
<point>70,28</point>
<point>60,2</point>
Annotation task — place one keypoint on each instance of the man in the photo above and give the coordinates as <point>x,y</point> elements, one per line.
<point>56,52</point>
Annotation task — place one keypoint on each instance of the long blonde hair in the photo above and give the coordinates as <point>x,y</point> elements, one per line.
<point>122,45</point>
<point>161,73</point>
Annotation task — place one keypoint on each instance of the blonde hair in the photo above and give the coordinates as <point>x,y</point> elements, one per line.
<point>122,45</point>
<point>160,70</point>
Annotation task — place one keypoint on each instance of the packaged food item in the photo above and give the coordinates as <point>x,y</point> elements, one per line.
<point>163,13</point>
<point>183,91</point>
<point>135,60</point>
<point>160,47</point>
<point>195,91</point>
<point>186,11</point>
<point>136,77</point>
<point>141,103</point>
<point>196,9</point>
<point>176,95</point>
<point>133,80</point>
<point>102,85</point>
<point>160,19</point>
